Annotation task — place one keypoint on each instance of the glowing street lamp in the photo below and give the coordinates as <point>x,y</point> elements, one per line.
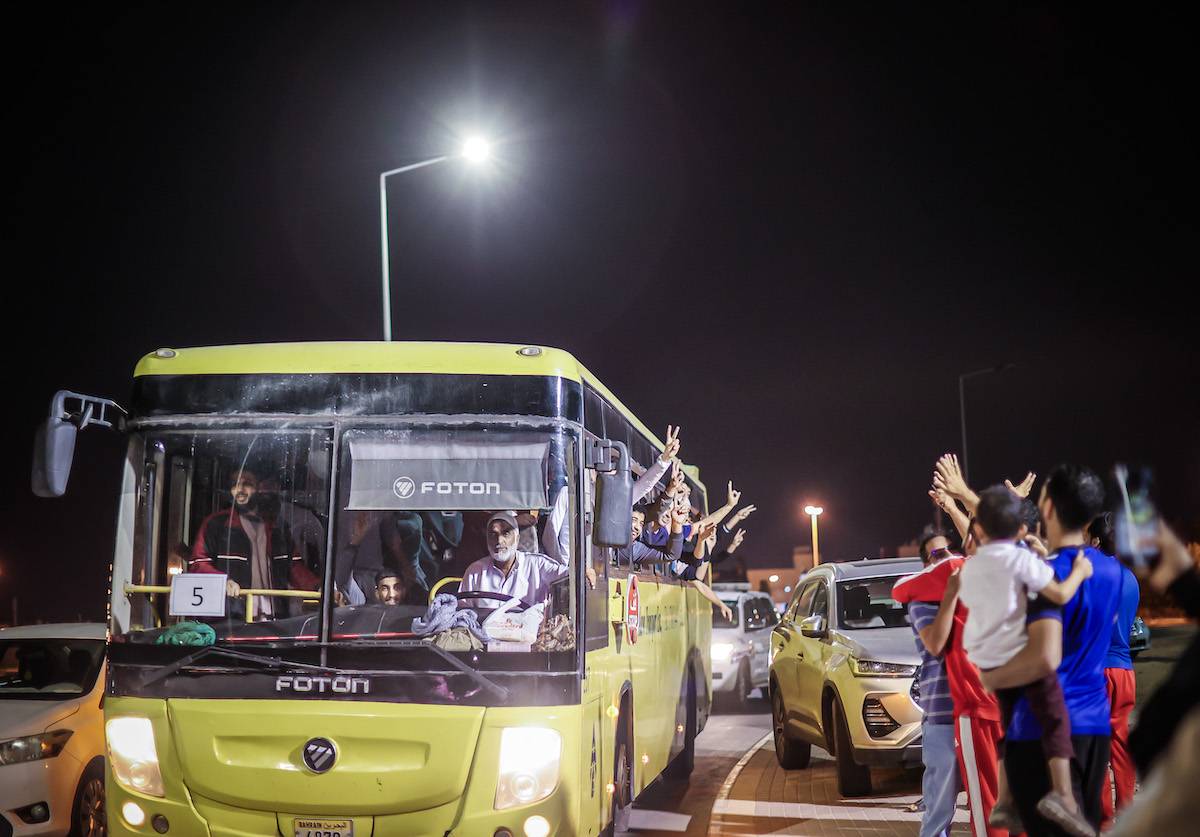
<point>814,512</point>
<point>475,150</point>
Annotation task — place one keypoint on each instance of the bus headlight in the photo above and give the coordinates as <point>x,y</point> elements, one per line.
<point>133,756</point>
<point>529,759</point>
<point>721,651</point>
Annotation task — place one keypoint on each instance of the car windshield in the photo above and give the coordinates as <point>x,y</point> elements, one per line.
<point>868,603</point>
<point>234,534</point>
<point>719,621</point>
<point>49,669</point>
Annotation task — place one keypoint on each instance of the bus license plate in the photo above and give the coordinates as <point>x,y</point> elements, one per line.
<point>324,828</point>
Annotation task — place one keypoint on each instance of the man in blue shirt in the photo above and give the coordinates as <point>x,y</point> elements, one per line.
<point>1074,639</point>
<point>931,622</point>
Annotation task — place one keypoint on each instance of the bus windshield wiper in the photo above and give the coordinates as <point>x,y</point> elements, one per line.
<point>233,653</point>
<point>483,680</point>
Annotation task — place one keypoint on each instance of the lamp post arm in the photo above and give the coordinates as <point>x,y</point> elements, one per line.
<point>383,237</point>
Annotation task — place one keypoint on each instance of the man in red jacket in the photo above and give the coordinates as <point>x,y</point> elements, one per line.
<point>977,728</point>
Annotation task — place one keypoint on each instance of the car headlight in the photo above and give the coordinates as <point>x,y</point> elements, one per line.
<point>47,745</point>
<point>722,651</point>
<point>133,756</point>
<point>529,759</point>
<point>874,668</point>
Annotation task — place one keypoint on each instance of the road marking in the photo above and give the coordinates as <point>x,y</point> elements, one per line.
<point>650,820</point>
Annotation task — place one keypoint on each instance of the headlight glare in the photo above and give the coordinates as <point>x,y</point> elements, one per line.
<point>46,745</point>
<point>528,770</point>
<point>875,668</point>
<point>133,755</point>
<point>722,651</point>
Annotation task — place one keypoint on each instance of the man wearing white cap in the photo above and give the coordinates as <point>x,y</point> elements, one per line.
<point>506,569</point>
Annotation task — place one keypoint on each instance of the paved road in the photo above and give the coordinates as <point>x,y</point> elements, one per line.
<point>763,799</point>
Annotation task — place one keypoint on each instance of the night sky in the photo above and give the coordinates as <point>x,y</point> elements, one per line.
<point>788,228</point>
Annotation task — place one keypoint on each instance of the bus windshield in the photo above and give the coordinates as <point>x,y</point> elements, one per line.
<point>461,536</point>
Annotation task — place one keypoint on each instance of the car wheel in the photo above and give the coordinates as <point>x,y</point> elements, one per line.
<point>854,779</point>
<point>87,813</point>
<point>791,753</point>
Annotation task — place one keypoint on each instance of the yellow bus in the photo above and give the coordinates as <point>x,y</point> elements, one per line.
<point>259,681</point>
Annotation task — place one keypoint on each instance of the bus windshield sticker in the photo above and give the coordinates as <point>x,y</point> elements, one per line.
<point>419,476</point>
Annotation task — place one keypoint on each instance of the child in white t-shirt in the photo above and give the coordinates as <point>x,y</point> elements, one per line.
<point>996,584</point>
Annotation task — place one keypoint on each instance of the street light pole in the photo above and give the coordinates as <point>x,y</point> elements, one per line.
<point>383,237</point>
<point>814,512</point>
<point>962,406</point>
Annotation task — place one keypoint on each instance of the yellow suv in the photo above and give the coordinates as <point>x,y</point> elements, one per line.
<point>843,672</point>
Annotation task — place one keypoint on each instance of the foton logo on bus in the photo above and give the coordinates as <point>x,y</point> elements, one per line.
<point>338,685</point>
<point>633,609</point>
<point>481,488</point>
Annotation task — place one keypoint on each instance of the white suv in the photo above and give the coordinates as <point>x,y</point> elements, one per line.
<point>52,730</point>
<point>740,647</point>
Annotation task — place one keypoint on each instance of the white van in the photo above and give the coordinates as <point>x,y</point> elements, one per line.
<point>740,647</point>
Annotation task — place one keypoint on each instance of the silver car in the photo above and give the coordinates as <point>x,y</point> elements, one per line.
<point>740,646</point>
<point>843,672</point>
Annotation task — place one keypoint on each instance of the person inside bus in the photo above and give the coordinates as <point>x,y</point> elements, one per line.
<point>506,569</point>
<point>390,589</point>
<point>239,543</point>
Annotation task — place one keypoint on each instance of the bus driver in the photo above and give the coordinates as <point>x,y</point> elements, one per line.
<point>506,569</point>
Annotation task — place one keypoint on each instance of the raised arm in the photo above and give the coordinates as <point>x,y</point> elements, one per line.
<point>946,503</point>
<point>646,482</point>
<point>948,477</point>
<point>935,635</point>
<point>715,517</point>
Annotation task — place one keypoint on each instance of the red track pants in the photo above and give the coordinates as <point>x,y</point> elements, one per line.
<point>976,741</point>
<point>1122,690</point>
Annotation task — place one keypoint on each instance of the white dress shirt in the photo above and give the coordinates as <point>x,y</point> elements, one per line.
<point>529,579</point>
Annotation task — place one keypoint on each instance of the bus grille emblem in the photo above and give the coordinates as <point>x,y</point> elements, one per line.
<point>319,755</point>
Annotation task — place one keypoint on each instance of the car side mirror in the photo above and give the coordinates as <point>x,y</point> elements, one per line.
<point>614,494</point>
<point>813,626</point>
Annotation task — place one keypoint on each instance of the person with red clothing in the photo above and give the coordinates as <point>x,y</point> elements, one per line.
<point>977,728</point>
<point>251,552</point>
<point>1122,685</point>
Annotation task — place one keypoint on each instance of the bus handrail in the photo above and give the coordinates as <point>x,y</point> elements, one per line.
<point>248,592</point>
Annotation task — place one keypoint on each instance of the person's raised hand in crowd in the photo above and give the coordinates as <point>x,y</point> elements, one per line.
<point>1174,559</point>
<point>941,499</point>
<point>1026,485</point>
<point>738,537</point>
<point>671,447</point>
<point>953,585</point>
<point>740,515</point>
<point>734,495</point>
<point>948,476</point>
<point>676,481</point>
<point>360,524</point>
<point>679,517</point>
<point>706,538</point>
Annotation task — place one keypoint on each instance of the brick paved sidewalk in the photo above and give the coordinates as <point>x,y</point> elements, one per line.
<point>766,799</point>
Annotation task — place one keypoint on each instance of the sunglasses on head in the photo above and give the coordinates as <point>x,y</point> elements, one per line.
<point>940,553</point>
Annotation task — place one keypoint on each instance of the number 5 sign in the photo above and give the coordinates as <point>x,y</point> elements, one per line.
<point>197,594</point>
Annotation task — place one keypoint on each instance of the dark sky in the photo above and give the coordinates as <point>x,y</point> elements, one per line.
<point>788,228</point>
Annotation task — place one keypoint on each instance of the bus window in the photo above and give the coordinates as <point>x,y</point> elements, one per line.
<point>250,506</point>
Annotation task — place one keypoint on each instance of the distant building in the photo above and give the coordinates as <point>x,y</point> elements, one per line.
<point>785,578</point>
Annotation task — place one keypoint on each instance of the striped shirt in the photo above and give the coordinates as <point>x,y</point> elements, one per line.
<point>935,698</point>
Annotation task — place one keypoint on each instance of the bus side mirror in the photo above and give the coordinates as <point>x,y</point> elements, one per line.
<point>54,444</point>
<point>54,448</point>
<point>614,494</point>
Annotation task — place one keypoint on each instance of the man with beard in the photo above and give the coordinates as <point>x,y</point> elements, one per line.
<point>240,544</point>
<point>506,569</point>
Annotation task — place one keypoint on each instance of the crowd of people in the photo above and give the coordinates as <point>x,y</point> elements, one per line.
<point>1027,681</point>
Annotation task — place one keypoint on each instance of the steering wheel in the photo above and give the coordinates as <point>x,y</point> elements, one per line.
<point>484,594</point>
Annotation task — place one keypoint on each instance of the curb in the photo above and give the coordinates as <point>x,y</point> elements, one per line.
<point>732,777</point>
